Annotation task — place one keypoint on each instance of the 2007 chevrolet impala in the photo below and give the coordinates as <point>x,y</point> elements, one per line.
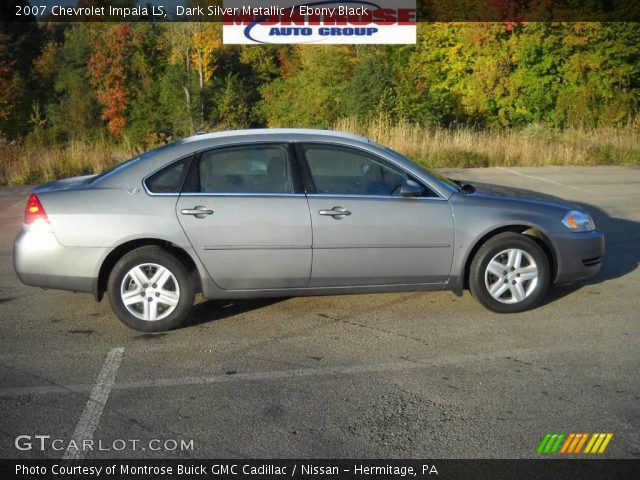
<point>266,213</point>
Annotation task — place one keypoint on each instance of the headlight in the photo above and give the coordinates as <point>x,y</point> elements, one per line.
<point>577,221</point>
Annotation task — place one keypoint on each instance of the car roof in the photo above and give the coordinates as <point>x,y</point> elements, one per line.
<point>157,157</point>
<point>229,134</point>
<point>152,160</point>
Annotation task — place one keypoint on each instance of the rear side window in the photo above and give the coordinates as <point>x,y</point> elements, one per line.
<point>169,179</point>
<point>247,169</point>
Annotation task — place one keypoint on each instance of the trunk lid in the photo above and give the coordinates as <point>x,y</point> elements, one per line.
<point>63,184</point>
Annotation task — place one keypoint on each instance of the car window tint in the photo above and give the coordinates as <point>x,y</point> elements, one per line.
<point>169,179</point>
<point>347,171</point>
<point>254,169</point>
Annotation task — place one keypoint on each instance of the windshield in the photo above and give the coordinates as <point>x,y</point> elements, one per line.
<point>440,177</point>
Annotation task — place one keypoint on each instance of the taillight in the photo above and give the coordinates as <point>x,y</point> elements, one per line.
<point>34,213</point>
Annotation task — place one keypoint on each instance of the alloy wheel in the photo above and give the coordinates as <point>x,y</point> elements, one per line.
<point>150,292</point>
<point>511,276</point>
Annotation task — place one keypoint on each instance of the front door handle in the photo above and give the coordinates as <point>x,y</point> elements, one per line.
<point>336,212</point>
<point>197,211</point>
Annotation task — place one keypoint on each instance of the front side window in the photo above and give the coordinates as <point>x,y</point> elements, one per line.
<point>347,171</point>
<point>247,169</point>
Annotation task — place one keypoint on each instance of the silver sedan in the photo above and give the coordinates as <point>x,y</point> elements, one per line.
<point>267,213</point>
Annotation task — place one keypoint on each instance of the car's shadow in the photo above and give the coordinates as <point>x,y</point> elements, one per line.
<point>622,251</point>
<point>213,310</point>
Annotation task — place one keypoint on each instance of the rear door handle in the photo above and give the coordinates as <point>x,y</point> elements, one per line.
<point>336,212</point>
<point>198,211</point>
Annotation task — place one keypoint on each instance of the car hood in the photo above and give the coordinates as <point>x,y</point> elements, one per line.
<point>63,184</point>
<point>518,194</point>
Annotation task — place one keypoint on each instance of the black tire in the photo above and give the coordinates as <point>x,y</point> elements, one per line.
<point>493,247</point>
<point>184,290</point>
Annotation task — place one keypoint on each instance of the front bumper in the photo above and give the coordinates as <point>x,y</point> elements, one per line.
<point>578,255</point>
<point>40,261</point>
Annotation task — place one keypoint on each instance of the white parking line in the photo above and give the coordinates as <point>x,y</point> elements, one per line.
<point>92,412</point>
<point>563,185</point>
<point>275,375</point>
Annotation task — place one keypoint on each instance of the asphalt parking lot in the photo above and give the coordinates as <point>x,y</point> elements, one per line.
<point>409,375</point>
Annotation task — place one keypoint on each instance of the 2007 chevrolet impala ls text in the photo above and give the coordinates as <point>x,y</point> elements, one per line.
<point>267,213</point>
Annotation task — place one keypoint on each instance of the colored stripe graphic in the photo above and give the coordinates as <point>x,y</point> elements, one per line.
<point>543,443</point>
<point>591,442</point>
<point>567,443</point>
<point>607,439</point>
<point>572,443</point>
<point>581,443</point>
<point>598,443</point>
<point>558,442</point>
<point>550,443</point>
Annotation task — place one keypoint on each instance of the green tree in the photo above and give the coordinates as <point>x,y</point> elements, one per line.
<point>73,111</point>
<point>600,75</point>
<point>429,88</point>
<point>315,94</point>
<point>22,43</point>
<point>371,85</point>
<point>233,111</point>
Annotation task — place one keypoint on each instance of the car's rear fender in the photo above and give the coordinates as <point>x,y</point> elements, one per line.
<point>106,218</point>
<point>107,223</point>
<point>202,281</point>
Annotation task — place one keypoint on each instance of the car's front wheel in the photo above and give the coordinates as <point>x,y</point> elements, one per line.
<point>509,273</point>
<point>150,290</point>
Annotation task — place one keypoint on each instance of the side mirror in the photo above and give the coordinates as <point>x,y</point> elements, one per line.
<point>409,188</point>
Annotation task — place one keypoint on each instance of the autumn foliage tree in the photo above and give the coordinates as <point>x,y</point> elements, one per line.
<point>108,65</point>
<point>150,83</point>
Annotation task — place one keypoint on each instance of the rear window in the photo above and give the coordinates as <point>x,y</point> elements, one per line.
<point>133,160</point>
<point>115,169</point>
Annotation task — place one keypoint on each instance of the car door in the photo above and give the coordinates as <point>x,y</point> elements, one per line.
<point>364,231</point>
<point>246,216</point>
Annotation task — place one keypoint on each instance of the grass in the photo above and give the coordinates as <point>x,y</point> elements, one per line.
<point>432,147</point>
<point>534,146</point>
<point>21,165</point>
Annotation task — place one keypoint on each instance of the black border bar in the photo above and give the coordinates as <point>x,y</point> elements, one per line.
<point>510,11</point>
<point>357,469</point>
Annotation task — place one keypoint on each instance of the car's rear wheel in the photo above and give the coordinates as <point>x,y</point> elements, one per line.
<point>509,273</point>
<point>150,290</point>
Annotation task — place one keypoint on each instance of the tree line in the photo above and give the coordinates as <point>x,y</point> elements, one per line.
<point>147,83</point>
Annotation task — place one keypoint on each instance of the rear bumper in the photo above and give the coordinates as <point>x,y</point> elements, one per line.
<point>578,255</point>
<point>40,261</point>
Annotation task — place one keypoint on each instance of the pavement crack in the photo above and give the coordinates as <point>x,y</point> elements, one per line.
<point>375,329</point>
